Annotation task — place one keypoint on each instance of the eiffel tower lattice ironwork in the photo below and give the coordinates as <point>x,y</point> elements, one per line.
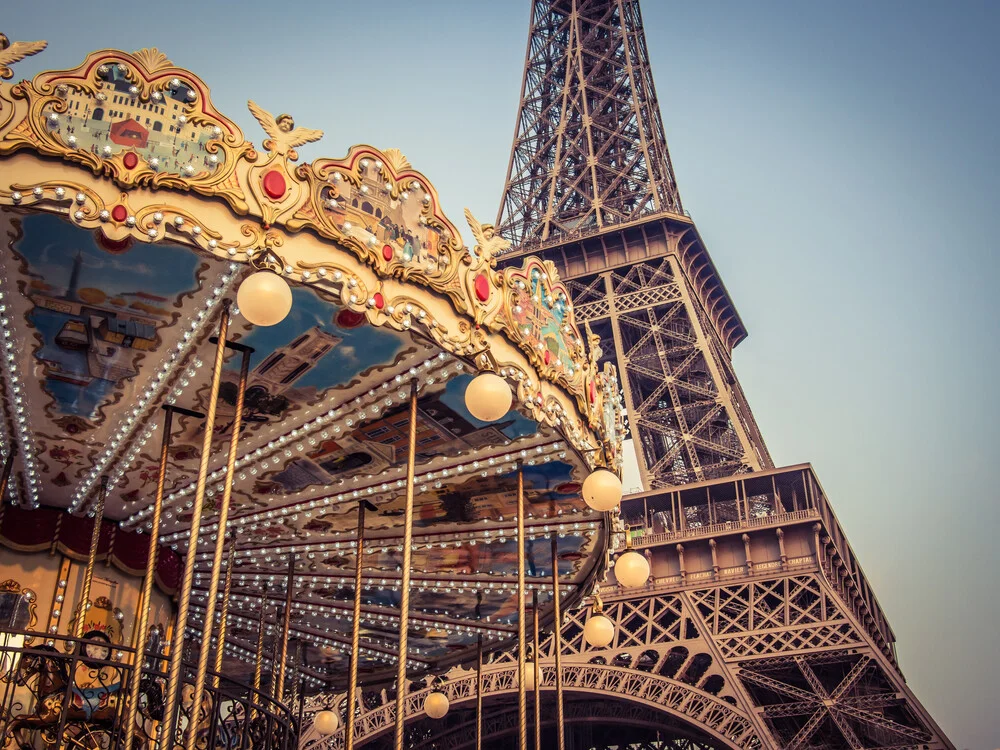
<point>590,186</point>
<point>756,597</point>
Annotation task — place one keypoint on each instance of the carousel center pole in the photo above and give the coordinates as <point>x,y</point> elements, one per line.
<point>208,625</point>
<point>169,724</point>
<point>352,686</point>
<point>404,586</point>
<point>145,598</point>
<point>522,698</point>
<point>535,671</point>
<point>88,573</point>
<point>557,642</point>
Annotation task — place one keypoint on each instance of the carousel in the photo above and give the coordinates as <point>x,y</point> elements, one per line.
<point>272,434</point>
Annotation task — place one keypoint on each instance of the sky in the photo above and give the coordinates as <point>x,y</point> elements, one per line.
<point>841,162</point>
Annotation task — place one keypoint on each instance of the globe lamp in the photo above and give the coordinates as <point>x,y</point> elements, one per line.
<point>327,722</point>
<point>602,490</point>
<point>264,298</point>
<point>599,631</point>
<point>436,705</point>
<point>632,569</point>
<point>532,676</point>
<point>488,397</point>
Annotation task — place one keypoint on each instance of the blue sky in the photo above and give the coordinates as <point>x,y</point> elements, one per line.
<point>841,162</point>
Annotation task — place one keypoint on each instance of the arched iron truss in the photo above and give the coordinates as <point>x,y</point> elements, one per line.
<point>725,724</point>
<point>589,723</point>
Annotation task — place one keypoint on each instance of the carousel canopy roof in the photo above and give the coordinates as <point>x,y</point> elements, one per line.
<point>132,210</point>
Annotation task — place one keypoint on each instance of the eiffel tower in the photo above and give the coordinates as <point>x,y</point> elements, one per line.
<point>758,627</point>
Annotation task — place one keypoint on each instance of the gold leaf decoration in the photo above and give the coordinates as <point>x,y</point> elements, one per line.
<point>152,59</point>
<point>395,159</point>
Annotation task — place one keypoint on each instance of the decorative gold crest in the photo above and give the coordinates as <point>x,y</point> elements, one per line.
<point>135,118</point>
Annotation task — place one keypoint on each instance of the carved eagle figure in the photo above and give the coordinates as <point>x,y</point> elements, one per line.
<point>489,243</point>
<point>283,135</point>
<point>11,53</point>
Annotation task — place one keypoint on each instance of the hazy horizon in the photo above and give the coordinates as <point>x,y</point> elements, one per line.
<point>841,162</point>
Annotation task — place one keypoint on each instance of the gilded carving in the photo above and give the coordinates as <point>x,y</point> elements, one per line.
<point>136,119</point>
<point>371,203</point>
<point>12,52</point>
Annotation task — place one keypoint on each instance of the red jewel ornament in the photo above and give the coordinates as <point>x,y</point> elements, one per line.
<point>593,392</point>
<point>379,299</point>
<point>274,184</point>
<point>387,252</point>
<point>482,288</point>
<point>130,160</point>
<point>119,213</point>
<point>548,356</point>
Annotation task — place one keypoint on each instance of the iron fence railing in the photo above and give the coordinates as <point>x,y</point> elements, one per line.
<point>64,693</point>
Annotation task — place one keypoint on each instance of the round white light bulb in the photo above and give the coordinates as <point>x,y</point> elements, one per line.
<point>532,676</point>
<point>488,397</point>
<point>327,722</point>
<point>602,490</point>
<point>632,570</point>
<point>436,705</point>
<point>264,298</point>
<point>599,631</point>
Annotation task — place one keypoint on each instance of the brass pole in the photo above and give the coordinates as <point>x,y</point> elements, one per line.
<point>352,686</point>
<point>537,674</point>
<point>258,667</point>
<point>208,624</point>
<point>522,698</point>
<point>88,573</point>
<point>479,692</point>
<point>187,581</point>
<point>278,615</point>
<point>300,689</point>
<point>404,586</point>
<point>7,466</point>
<point>285,628</point>
<point>227,588</point>
<point>557,642</point>
<point>145,598</point>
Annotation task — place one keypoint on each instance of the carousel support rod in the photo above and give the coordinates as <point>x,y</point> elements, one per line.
<point>522,698</point>
<point>166,740</point>
<point>145,598</point>
<point>285,628</point>
<point>258,666</point>
<point>479,692</point>
<point>404,587</point>
<point>536,673</point>
<point>352,685</point>
<point>88,573</point>
<point>227,588</point>
<point>557,642</point>
<point>208,624</point>
<point>278,615</point>
<point>7,466</point>
<point>301,682</point>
